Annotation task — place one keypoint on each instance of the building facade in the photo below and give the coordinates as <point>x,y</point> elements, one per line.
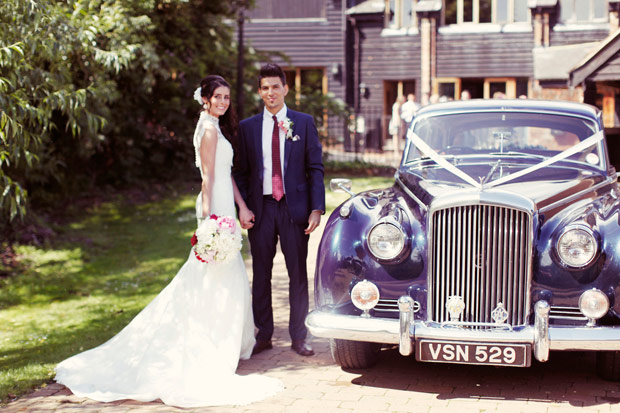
<point>369,53</point>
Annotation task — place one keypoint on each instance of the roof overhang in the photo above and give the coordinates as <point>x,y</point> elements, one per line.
<point>556,62</point>
<point>598,56</point>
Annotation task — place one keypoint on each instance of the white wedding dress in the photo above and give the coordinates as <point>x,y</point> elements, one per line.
<point>183,347</point>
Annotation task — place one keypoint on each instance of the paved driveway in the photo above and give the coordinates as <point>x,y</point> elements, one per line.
<point>567,383</point>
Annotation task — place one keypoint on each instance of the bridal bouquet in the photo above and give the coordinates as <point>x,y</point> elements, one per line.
<point>216,239</point>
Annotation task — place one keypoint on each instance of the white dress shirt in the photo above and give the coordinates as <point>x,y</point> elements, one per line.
<point>267,136</point>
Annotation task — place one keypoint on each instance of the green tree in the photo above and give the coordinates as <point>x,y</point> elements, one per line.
<point>58,63</point>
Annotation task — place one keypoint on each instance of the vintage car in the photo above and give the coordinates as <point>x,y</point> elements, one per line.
<point>498,242</point>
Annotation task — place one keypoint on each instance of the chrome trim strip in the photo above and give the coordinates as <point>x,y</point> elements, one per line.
<point>355,328</point>
<point>567,317</point>
<point>566,313</point>
<point>408,192</point>
<point>570,199</point>
<point>538,111</point>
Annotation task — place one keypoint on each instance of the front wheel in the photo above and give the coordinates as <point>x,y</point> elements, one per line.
<point>608,365</point>
<point>354,354</point>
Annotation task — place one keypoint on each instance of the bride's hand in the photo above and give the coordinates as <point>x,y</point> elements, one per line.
<point>246,218</point>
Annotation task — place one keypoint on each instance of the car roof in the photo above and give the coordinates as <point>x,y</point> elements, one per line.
<point>536,105</point>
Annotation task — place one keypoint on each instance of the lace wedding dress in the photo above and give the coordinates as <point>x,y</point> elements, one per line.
<point>184,347</point>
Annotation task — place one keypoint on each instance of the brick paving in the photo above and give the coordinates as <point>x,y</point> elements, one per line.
<point>567,383</point>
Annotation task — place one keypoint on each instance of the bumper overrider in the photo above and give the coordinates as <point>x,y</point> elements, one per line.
<point>406,331</point>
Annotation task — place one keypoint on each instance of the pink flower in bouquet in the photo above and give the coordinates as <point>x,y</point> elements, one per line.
<point>227,223</point>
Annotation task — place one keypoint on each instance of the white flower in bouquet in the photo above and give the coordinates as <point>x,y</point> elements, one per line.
<point>217,239</point>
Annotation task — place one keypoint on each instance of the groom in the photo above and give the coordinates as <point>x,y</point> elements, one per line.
<point>279,172</point>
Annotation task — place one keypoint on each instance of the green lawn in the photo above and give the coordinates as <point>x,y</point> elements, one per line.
<point>105,266</point>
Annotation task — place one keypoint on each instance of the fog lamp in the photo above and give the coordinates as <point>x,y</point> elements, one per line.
<point>365,296</point>
<point>594,304</point>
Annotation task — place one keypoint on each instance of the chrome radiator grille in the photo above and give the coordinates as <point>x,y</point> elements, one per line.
<point>480,253</point>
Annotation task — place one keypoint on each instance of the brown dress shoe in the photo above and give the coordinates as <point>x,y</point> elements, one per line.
<point>261,346</point>
<point>302,348</point>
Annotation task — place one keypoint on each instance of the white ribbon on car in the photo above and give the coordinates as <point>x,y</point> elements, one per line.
<point>431,153</point>
<point>439,160</point>
<point>594,139</point>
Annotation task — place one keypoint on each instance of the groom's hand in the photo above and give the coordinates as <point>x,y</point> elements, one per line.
<point>246,218</point>
<point>313,221</point>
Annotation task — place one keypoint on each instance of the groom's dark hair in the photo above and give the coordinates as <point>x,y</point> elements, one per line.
<point>271,70</point>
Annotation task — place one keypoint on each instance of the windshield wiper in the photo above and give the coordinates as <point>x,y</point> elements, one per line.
<point>524,154</point>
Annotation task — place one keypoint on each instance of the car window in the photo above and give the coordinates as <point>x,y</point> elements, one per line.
<point>493,133</point>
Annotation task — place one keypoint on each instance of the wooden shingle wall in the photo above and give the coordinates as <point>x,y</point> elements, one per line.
<point>564,37</point>
<point>479,55</point>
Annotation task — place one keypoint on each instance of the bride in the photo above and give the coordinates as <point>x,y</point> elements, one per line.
<point>184,347</point>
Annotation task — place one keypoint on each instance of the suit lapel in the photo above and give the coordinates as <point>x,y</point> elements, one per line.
<point>257,139</point>
<point>288,143</point>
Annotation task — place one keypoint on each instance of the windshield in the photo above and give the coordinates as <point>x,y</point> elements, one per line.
<point>506,134</point>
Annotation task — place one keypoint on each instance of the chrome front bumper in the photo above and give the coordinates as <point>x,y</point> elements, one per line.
<point>405,331</point>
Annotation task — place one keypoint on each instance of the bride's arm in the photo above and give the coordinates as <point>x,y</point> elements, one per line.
<point>208,145</point>
<point>246,217</point>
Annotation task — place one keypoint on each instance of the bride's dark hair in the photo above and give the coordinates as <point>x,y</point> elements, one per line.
<point>228,121</point>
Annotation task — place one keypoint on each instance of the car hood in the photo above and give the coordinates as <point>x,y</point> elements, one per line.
<point>543,187</point>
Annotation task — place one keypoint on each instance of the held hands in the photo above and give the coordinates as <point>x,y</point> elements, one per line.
<point>313,221</point>
<point>246,218</point>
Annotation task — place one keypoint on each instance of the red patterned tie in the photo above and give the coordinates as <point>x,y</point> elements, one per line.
<point>276,167</point>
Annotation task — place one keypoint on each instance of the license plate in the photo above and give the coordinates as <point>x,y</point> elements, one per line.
<point>516,355</point>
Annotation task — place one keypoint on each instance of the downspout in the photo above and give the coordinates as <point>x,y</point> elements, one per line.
<point>356,66</point>
<point>356,82</point>
<point>425,58</point>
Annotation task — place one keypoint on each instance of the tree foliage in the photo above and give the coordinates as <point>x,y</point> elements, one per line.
<point>58,66</point>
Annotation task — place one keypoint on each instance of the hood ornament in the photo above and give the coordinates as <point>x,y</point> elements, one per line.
<point>455,306</point>
<point>499,314</point>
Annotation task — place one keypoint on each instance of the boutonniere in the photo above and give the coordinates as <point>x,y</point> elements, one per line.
<point>287,126</point>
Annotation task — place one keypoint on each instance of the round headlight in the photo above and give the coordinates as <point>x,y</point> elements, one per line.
<point>386,241</point>
<point>577,246</point>
<point>594,303</point>
<point>365,295</point>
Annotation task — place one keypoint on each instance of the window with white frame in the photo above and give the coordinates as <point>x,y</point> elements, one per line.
<point>583,11</point>
<point>401,13</point>
<point>485,11</point>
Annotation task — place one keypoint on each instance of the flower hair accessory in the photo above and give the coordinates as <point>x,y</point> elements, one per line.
<point>198,95</point>
<point>217,239</point>
<point>287,126</point>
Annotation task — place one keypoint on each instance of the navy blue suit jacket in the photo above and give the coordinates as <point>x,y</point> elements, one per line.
<point>303,167</point>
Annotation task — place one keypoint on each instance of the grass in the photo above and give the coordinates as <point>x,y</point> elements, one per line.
<point>106,265</point>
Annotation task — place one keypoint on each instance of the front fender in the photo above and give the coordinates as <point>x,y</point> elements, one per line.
<point>344,258</point>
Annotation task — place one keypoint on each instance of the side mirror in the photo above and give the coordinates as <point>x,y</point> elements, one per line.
<point>341,185</point>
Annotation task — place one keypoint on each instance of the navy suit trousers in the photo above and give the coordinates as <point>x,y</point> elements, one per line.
<point>276,222</point>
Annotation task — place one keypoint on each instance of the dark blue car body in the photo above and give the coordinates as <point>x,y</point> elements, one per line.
<point>485,193</point>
